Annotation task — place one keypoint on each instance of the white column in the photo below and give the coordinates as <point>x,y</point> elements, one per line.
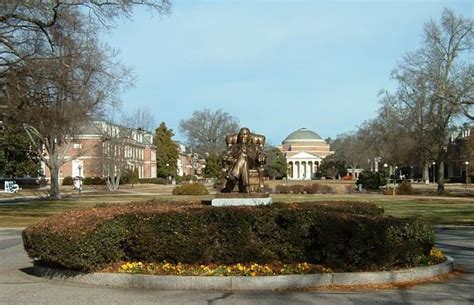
<point>298,170</point>
<point>294,171</point>
<point>310,167</point>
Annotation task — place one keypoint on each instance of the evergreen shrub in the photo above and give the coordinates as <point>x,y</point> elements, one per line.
<point>282,189</point>
<point>93,181</point>
<point>405,188</point>
<point>342,237</point>
<point>153,180</point>
<point>296,189</point>
<point>191,189</point>
<point>67,180</point>
<point>371,180</point>
<point>313,188</point>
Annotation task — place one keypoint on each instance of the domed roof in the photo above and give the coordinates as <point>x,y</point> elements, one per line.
<point>302,134</point>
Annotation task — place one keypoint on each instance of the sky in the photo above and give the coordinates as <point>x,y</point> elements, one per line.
<point>276,66</point>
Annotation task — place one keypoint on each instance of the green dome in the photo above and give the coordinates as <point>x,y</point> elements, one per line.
<point>302,134</point>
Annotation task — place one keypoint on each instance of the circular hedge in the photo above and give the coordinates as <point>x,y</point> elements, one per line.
<point>341,236</point>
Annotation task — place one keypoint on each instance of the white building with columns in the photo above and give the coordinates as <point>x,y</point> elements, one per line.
<point>304,150</point>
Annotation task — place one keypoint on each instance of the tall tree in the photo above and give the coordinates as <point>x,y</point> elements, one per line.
<point>56,71</point>
<point>141,118</point>
<point>350,150</point>
<point>330,167</point>
<point>166,152</point>
<point>205,130</point>
<point>66,86</point>
<point>16,156</point>
<point>276,166</point>
<point>213,167</point>
<point>115,160</point>
<point>24,25</point>
<point>436,80</point>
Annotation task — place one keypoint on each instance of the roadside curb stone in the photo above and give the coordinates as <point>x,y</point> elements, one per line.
<point>236,283</point>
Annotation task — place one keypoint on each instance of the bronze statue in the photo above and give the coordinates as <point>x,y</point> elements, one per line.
<point>243,162</point>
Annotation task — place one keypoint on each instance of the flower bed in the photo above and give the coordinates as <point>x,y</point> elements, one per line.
<point>246,269</point>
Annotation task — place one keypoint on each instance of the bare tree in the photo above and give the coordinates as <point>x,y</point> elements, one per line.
<point>205,130</point>
<point>26,24</point>
<point>115,155</point>
<point>56,71</point>
<point>436,85</point>
<point>142,118</point>
<point>349,148</point>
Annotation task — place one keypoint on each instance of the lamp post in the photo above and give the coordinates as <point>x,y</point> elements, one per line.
<point>79,167</point>
<point>387,178</point>
<point>395,180</point>
<point>167,173</point>
<point>467,172</point>
<point>434,174</point>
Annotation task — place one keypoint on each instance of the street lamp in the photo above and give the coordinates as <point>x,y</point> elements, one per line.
<point>434,174</point>
<point>167,173</point>
<point>79,167</point>
<point>467,172</point>
<point>395,180</point>
<point>387,178</point>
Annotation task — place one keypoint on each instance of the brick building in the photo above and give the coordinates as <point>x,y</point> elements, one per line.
<point>102,146</point>
<point>460,156</point>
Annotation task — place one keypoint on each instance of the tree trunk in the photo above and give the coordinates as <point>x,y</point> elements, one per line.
<point>441,176</point>
<point>54,183</point>
<point>426,172</point>
<point>113,182</point>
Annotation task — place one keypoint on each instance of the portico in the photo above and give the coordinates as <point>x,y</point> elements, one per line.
<point>303,166</point>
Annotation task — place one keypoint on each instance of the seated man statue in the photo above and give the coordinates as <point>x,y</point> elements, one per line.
<point>244,153</point>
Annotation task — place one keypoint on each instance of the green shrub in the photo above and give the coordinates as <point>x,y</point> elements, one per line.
<point>315,233</point>
<point>296,189</point>
<point>326,189</point>
<point>153,180</point>
<point>68,180</point>
<point>282,189</point>
<point>191,189</point>
<point>188,178</point>
<point>93,181</point>
<point>405,188</point>
<point>313,188</point>
<point>371,180</point>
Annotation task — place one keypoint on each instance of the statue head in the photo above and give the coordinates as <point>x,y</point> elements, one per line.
<point>243,136</point>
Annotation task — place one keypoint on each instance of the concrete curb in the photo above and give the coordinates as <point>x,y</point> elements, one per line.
<point>246,282</point>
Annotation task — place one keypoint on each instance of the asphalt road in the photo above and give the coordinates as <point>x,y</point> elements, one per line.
<point>17,286</point>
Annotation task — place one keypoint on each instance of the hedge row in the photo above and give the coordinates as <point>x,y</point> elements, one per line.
<point>314,188</point>
<point>191,189</point>
<point>89,239</point>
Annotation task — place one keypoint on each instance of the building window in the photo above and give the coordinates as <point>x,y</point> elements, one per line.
<point>77,146</point>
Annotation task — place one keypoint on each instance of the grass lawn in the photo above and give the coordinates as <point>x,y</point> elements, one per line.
<point>437,210</point>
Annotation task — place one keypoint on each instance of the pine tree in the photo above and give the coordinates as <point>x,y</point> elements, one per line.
<point>16,156</point>
<point>213,167</point>
<point>276,163</point>
<point>166,152</point>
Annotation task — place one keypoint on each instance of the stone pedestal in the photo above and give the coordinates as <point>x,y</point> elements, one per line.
<point>238,199</point>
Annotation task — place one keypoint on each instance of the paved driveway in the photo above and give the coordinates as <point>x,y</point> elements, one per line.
<point>17,286</point>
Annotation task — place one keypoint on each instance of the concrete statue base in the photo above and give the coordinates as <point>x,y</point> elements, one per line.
<point>240,199</point>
